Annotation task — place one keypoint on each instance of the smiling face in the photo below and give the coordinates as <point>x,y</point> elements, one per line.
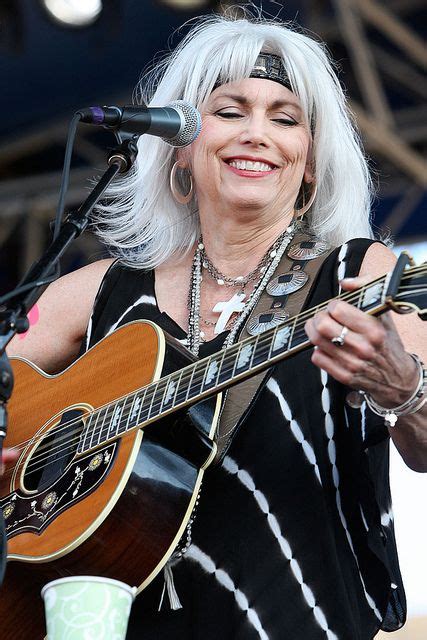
<point>253,151</point>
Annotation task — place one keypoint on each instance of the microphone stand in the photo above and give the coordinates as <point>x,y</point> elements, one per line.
<point>13,316</point>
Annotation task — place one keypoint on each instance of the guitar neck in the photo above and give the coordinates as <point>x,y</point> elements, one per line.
<point>219,371</point>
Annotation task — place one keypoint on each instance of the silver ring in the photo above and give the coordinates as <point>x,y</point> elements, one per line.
<point>339,340</point>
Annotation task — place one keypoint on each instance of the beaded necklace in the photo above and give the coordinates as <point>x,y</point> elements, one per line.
<point>269,262</point>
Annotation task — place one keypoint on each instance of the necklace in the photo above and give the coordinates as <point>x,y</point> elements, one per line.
<point>268,265</point>
<point>239,281</point>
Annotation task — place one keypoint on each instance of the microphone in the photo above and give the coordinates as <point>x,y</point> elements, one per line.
<point>178,123</point>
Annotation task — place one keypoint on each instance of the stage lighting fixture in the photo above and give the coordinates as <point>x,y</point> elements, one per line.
<point>73,13</point>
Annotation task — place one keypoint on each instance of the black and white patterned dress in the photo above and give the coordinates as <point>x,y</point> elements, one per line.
<point>294,534</point>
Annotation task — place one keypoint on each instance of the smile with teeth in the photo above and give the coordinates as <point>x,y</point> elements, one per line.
<point>251,165</point>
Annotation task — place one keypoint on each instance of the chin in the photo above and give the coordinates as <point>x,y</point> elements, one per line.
<point>251,199</point>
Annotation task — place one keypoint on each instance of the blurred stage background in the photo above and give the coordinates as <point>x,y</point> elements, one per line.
<point>59,55</point>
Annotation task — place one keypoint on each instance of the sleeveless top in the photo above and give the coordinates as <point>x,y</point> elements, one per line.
<point>293,537</point>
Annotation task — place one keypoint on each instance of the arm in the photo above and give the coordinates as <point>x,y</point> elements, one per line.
<point>58,325</point>
<point>375,357</point>
<point>60,320</point>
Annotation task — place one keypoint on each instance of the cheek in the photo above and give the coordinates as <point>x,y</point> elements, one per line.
<point>296,147</point>
<point>204,150</point>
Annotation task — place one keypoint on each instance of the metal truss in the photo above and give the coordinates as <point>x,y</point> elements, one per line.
<point>386,57</point>
<point>382,57</point>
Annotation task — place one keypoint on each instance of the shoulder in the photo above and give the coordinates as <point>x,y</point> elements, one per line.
<point>362,256</point>
<point>75,292</point>
<point>91,274</point>
<point>378,260</point>
<point>60,318</point>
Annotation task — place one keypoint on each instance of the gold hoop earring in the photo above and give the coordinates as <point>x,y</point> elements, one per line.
<point>179,197</point>
<point>299,213</point>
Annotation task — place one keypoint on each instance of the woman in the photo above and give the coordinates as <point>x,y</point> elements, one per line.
<point>293,536</point>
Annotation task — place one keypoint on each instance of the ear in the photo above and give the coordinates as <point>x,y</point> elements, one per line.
<point>309,170</point>
<point>183,157</point>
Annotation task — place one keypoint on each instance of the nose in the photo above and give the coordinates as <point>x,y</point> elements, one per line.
<point>255,131</point>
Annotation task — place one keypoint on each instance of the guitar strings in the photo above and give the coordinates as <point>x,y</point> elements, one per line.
<point>190,367</point>
<point>198,375</point>
<point>157,384</point>
<point>68,450</point>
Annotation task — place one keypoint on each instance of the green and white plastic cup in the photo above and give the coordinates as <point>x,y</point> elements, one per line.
<point>87,608</point>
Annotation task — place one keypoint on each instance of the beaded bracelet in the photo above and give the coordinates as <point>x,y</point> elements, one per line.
<point>412,405</point>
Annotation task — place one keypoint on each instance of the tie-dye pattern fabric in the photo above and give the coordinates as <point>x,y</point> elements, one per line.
<point>293,538</point>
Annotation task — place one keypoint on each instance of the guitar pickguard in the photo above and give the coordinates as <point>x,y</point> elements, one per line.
<point>24,513</point>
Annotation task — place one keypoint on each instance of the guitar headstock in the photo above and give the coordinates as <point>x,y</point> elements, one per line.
<point>411,294</point>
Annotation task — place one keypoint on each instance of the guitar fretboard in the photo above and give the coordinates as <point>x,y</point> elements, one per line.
<point>214,373</point>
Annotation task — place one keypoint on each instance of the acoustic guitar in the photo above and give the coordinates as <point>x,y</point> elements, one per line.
<point>113,449</point>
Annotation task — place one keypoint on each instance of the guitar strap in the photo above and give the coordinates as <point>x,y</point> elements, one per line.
<point>297,271</point>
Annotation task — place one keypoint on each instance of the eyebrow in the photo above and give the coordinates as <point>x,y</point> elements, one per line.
<point>244,101</point>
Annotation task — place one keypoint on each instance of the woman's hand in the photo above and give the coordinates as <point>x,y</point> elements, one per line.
<point>372,357</point>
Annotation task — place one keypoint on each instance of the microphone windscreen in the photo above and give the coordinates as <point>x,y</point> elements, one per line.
<point>192,124</point>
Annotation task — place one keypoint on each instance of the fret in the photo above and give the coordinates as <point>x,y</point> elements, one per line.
<point>133,412</point>
<point>157,399</point>
<point>187,395</point>
<point>115,419</point>
<point>261,350</point>
<point>281,339</point>
<point>255,344</point>
<point>141,406</point>
<point>89,445</point>
<point>145,408</point>
<point>197,380</point>
<point>98,425</point>
<point>244,358</point>
<point>228,364</point>
<point>169,394</point>
<point>299,337</point>
<point>372,296</point>
<point>236,360</point>
<point>151,393</point>
<point>291,335</point>
<point>177,387</point>
<point>103,433</point>
<point>211,373</point>
<point>183,387</point>
<point>121,426</point>
<point>222,375</point>
<point>87,432</point>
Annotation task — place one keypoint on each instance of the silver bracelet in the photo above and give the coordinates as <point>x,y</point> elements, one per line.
<point>412,405</point>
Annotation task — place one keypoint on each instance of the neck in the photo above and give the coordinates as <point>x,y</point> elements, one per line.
<point>236,247</point>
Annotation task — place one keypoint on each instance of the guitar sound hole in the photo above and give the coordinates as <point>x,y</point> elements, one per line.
<point>54,453</point>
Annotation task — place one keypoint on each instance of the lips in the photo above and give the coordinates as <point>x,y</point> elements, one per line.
<point>245,165</point>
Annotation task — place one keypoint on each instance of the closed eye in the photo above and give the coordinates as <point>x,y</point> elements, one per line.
<point>228,114</point>
<point>231,115</point>
<point>288,122</point>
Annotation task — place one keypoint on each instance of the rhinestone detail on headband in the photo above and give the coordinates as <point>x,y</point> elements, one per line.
<point>270,66</point>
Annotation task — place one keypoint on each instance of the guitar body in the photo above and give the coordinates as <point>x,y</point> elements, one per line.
<point>117,510</point>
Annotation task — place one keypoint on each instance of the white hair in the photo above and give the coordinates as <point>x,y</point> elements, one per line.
<point>141,222</point>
